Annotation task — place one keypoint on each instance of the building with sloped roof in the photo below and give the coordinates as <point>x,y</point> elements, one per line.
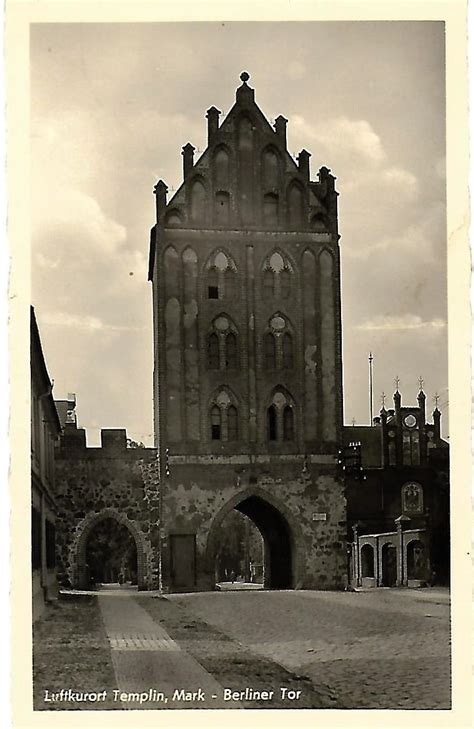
<point>45,432</point>
<point>245,271</point>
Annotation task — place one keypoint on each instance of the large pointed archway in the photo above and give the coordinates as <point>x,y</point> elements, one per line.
<point>282,543</point>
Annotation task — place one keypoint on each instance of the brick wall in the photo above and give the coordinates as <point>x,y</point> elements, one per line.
<point>109,482</point>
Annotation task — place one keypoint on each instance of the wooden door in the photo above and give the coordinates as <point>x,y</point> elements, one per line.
<point>183,560</point>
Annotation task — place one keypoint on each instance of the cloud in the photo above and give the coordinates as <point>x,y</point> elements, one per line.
<point>380,199</point>
<point>89,324</point>
<point>421,238</point>
<point>400,178</point>
<point>402,323</point>
<point>102,139</point>
<point>82,220</point>
<point>342,137</point>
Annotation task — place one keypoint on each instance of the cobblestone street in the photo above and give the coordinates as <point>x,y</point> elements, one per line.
<point>385,649</point>
<point>381,648</point>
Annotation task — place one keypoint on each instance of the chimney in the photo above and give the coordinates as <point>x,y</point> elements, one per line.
<point>188,159</point>
<point>160,190</point>
<point>280,129</point>
<point>212,115</point>
<point>303,163</point>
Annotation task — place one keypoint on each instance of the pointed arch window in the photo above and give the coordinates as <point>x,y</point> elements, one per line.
<point>221,168</point>
<point>288,429</point>
<point>221,276</point>
<point>231,351</point>
<point>277,276</point>
<point>271,164</point>
<point>212,284</point>
<point>411,447</point>
<point>216,429</point>
<point>198,202</point>
<point>287,351</point>
<point>230,282</point>
<point>278,345</point>
<point>223,344</point>
<point>213,352</point>
<point>245,134</point>
<point>272,422</point>
<point>224,416</point>
<point>392,453</point>
<point>222,207</point>
<point>295,205</point>
<point>270,351</point>
<point>268,277</point>
<point>285,283</point>
<point>281,417</point>
<point>232,423</point>
<point>270,209</point>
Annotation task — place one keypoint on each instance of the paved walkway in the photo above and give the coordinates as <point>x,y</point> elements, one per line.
<point>148,662</point>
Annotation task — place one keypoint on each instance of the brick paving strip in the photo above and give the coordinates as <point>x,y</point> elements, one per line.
<point>237,666</point>
<point>146,659</point>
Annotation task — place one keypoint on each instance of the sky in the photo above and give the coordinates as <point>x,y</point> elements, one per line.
<point>111,107</point>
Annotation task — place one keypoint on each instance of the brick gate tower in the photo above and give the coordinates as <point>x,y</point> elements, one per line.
<point>244,264</point>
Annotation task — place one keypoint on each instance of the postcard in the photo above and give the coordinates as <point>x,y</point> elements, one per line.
<point>240,267</point>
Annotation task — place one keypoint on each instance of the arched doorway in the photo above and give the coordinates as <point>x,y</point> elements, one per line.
<point>99,534</point>
<point>111,554</point>
<point>416,560</point>
<point>240,557</point>
<point>279,545</point>
<point>389,565</point>
<point>367,560</point>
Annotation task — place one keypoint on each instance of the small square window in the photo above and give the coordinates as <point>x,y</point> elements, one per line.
<point>212,292</point>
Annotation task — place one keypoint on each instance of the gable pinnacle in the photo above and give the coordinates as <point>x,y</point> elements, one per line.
<point>245,94</point>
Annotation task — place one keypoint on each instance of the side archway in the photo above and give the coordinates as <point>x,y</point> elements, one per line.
<point>78,548</point>
<point>416,560</point>
<point>367,560</point>
<point>389,564</point>
<point>283,540</point>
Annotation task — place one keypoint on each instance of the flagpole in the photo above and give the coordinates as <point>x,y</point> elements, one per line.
<point>371,393</point>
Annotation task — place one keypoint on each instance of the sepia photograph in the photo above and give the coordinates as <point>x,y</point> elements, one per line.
<point>240,430</point>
